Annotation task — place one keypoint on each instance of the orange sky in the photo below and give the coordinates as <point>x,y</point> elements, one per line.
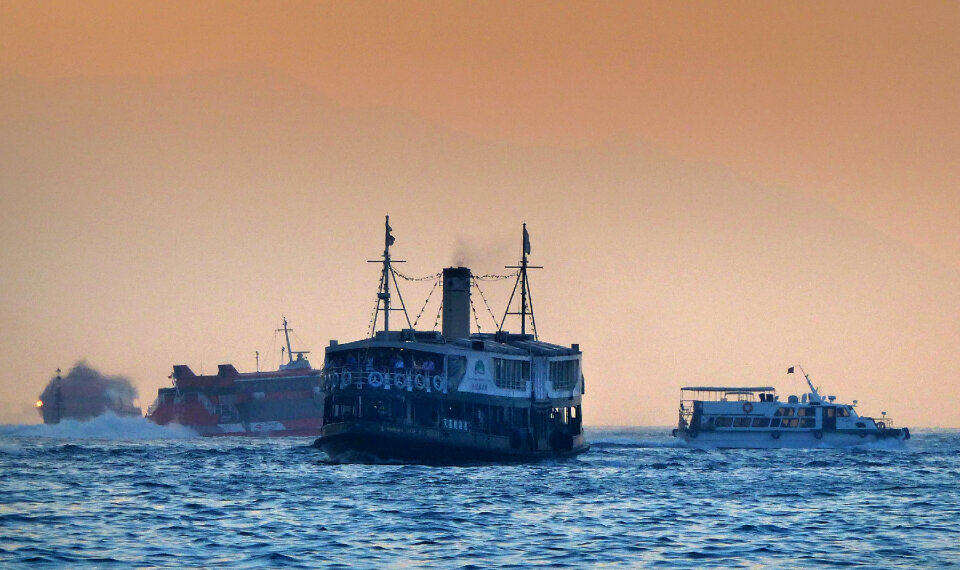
<point>177,174</point>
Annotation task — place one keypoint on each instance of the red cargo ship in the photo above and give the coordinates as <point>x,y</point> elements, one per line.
<point>284,402</point>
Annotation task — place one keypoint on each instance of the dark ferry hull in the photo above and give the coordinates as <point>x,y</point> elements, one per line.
<point>374,441</point>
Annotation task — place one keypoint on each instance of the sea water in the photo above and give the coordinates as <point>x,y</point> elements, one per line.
<point>120,491</point>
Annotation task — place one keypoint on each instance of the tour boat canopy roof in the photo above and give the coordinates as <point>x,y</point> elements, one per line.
<point>729,389</point>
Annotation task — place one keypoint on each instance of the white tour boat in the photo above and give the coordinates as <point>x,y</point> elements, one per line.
<point>754,417</point>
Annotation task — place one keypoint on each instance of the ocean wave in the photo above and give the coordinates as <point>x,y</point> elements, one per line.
<point>109,426</point>
<point>635,444</point>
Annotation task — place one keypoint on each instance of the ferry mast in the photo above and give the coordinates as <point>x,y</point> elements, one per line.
<point>290,352</point>
<point>286,333</point>
<point>525,294</point>
<point>58,406</point>
<point>383,294</point>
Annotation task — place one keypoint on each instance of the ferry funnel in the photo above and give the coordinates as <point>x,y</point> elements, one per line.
<point>456,302</point>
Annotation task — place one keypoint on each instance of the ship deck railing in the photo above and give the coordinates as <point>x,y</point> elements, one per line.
<point>722,393</point>
<point>365,370</point>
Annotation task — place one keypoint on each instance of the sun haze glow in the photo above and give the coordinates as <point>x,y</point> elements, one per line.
<point>716,191</point>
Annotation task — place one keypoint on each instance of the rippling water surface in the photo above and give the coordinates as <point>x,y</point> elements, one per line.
<point>126,492</point>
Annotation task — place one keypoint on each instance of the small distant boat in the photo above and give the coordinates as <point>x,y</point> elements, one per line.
<point>754,417</point>
<point>283,402</point>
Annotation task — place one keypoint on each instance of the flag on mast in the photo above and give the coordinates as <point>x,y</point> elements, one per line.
<point>526,240</point>
<point>390,238</point>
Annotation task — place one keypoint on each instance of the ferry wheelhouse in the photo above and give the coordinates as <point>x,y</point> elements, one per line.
<point>452,396</point>
<point>283,402</point>
<point>754,417</point>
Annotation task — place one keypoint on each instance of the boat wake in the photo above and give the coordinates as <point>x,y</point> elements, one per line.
<point>636,444</point>
<point>889,443</point>
<point>108,426</point>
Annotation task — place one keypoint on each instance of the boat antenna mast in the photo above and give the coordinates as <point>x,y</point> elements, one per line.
<point>814,393</point>
<point>290,352</point>
<point>388,274</point>
<point>58,395</point>
<point>526,296</point>
<point>286,333</point>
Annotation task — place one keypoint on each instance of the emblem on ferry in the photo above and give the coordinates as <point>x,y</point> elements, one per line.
<point>479,369</point>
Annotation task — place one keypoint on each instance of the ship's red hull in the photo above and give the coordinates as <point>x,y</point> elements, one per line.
<point>265,404</point>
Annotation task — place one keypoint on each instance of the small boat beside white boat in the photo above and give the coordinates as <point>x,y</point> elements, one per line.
<point>755,417</point>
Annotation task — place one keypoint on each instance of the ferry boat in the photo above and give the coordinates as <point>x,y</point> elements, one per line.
<point>452,396</point>
<point>85,394</point>
<point>754,417</point>
<point>283,402</point>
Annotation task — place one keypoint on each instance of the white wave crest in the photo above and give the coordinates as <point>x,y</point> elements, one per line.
<point>108,426</point>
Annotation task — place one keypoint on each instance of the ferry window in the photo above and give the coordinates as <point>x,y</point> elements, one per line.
<point>741,422</point>
<point>843,412</point>
<point>761,422</point>
<point>829,412</point>
<point>808,412</point>
<point>456,368</point>
<point>808,422</point>
<point>784,412</point>
<point>775,422</point>
<point>511,374</point>
<point>564,374</point>
<point>723,422</point>
<point>789,423</point>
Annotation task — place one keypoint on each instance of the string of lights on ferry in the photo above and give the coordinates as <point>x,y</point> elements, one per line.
<point>489,310</point>
<point>424,278</point>
<point>430,294</point>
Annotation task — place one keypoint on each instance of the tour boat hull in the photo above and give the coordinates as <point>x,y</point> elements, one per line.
<point>792,439</point>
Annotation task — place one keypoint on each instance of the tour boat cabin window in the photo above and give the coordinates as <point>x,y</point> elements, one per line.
<point>761,422</point>
<point>723,422</point>
<point>775,422</point>
<point>808,422</point>
<point>784,412</point>
<point>790,422</point>
<point>843,413</point>
<point>741,422</point>
<point>829,412</point>
<point>807,412</point>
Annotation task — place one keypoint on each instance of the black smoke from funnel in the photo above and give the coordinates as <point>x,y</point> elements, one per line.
<point>85,394</point>
<point>490,254</point>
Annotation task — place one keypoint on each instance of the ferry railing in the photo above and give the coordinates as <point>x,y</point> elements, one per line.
<point>360,373</point>
<point>885,422</point>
